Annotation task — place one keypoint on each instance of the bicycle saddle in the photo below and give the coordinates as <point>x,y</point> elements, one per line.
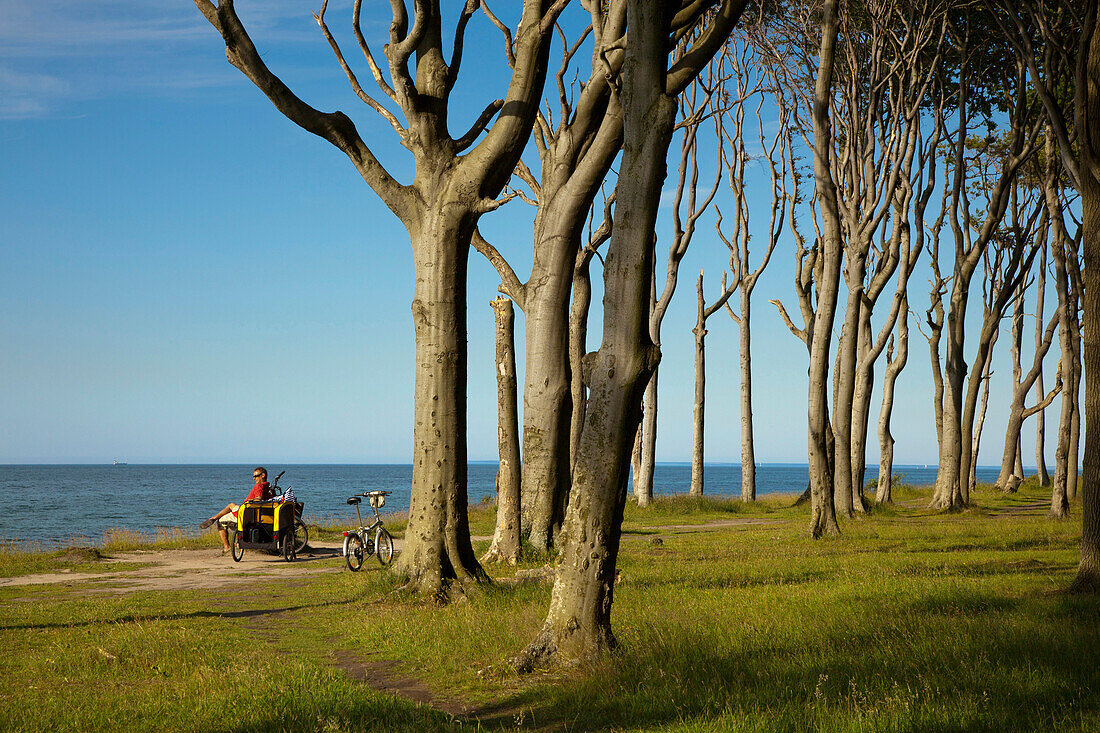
<point>354,500</point>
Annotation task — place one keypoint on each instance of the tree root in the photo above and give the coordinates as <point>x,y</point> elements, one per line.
<point>1086,583</point>
<point>540,653</point>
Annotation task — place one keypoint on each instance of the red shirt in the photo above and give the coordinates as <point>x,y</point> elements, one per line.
<point>261,491</point>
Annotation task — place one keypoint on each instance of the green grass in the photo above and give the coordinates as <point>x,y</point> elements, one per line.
<point>909,621</point>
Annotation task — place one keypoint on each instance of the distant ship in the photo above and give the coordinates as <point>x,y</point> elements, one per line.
<point>121,463</point>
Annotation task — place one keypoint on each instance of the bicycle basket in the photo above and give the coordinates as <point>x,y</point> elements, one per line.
<point>378,501</point>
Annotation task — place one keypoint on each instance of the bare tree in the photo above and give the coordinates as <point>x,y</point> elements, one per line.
<point>577,626</point>
<point>973,232</point>
<point>1022,384</point>
<point>890,56</point>
<point>697,105</point>
<point>1071,42</point>
<point>1040,391</point>
<point>575,154</point>
<point>776,152</point>
<point>894,366</point>
<point>702,313</point>
<point>911,226</point>
<point>817,268</point>
<point>505,546</point>
<point>822,508</point>
<point>1007,260</point>
<point>455,182</point>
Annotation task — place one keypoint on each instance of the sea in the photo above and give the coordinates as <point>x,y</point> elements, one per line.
<point>64,505</point>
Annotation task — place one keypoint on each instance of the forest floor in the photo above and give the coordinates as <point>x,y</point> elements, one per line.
<point>728,616</point>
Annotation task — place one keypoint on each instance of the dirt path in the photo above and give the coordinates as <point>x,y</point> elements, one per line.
<point>188,569</point>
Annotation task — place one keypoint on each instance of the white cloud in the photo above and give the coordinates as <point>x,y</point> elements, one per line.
<point>26,95</point>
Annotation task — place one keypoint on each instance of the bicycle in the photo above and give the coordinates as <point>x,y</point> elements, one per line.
<point>358,544</point>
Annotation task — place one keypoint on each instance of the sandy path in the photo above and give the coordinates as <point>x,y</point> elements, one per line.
<point>192,569</point>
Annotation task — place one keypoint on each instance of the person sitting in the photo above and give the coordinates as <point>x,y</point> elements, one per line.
<point>228,517</point>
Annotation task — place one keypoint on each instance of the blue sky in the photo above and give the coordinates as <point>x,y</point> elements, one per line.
<point>185,276</point>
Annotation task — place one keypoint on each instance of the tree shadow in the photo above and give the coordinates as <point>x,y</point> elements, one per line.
<point>182,616</point>
<point>905,675</point>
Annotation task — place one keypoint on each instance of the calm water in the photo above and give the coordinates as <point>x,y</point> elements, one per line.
<point>68,504</point>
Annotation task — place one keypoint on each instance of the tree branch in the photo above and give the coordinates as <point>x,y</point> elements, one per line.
<point>509,283</point>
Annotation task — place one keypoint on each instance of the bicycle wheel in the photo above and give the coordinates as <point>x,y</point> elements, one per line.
<point>354,557</point>
<point>238,551</point>
<point>383,546</point>
<point>288,545</point>
<point>301,535</point>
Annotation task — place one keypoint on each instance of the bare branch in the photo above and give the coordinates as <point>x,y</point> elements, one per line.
<point>460,33</point>
<point>319,16</point>
<point>509,283</point>
<point>509,43</point>
<point>332,126</point>
<point>377,72</point>
<point>479,126</point>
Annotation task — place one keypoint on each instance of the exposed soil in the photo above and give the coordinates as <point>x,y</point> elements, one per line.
<point>187,570</point>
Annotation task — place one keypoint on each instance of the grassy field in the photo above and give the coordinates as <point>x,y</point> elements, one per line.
<point>910,621</point>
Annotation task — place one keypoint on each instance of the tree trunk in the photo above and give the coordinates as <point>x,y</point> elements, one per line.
<point>972,470</point>
<point>822,512</point>
<point>574,163</point>
<point>437,540</point>
<point>883,494</point>
<point>948,489</point>
<point>505,546</point>
<point>1073,460</point>
<point>699,409</point>
<point>748,451</point>
<point>1059,501</point>
<point>547,408</point>
<point>1040,392</point>
<point>845,386</point>
<point>861,408</point>
<point>643,480</point>
<point>578,343</point>
<point>578,625</point>
<point>1088,571</point>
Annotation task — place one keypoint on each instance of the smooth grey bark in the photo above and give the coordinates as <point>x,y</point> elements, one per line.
<point>894,366</point>
<point>976,440</point>
<point>1060,495</point>
<point>647,444</point>
<point>737,156</point>
<point>1075,123</point>
<point>1041,415</point>
<point>1017,412</point>
<point>694,105</point>
<point>505,547</point>
<point>972,239</point>
<point>822,512</point>
<point>455,182</point>
<point>577,627</point>
<point>702,313</point>
<point>578,329</point>
<point>575,157</point>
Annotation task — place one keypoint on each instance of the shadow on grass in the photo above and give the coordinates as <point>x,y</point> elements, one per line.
<point>183,616</point>
<point>987,569</point>
<point>961,661</point>
<point>732,581</point>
